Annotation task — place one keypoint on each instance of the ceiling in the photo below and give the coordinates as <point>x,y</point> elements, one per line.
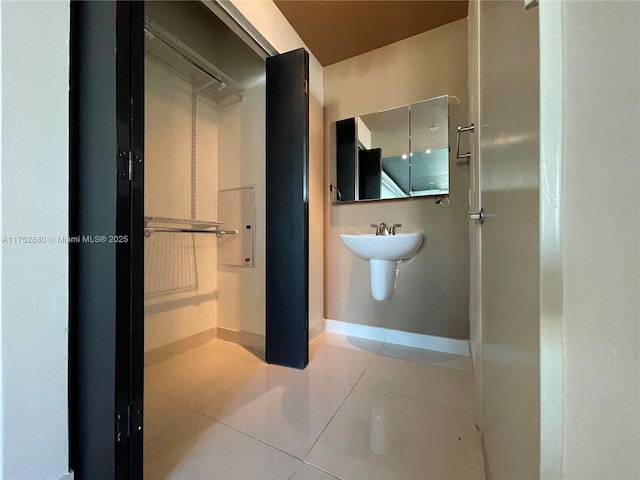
<point>335,30</point>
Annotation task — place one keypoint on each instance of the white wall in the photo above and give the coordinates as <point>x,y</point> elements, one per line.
<point>601,239</point>
<point>432,289</point>
<point>34,168</point>
<point>241,153</point>
<point>180,275</point>
<point>269,21</point>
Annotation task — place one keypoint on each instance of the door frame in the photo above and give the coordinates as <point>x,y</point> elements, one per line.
<point>510,262</point>
<point>106,339</point>
<point>552,65</point>
<point>475,195</point>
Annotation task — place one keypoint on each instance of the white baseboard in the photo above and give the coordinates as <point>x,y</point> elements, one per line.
<point>409,339</point>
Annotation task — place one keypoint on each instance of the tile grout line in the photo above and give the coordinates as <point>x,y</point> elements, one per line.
<point>266,444</point>
<point>355,384</point>
<point>430,402</point>
<point>322,470</point>
<point>324,374</point>
<point>247,435</point>
<point>330,420</point>
<point>215,420</point>
<point>218,397</point>
<point>358,382</point>
<point>194,409</point>
<point>302,459</point>
<point>307,369</point>
<point>368,365</point>
<point>188,407</point>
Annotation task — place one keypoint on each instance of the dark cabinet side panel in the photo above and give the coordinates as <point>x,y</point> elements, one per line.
<point>93,370</point>
<point>287,317</point>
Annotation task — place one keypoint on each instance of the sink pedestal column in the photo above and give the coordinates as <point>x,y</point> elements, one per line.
<point>383,252</point>
<point>383,278</point>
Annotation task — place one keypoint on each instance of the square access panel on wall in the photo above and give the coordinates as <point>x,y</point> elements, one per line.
<point>237,211</point>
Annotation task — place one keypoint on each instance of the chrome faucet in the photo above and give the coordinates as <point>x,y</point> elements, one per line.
<point>392,230</point>
<point>380,229</point>
<point>383,229</point>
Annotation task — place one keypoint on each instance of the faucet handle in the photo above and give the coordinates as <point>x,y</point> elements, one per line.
<point>377,227</point>
<point>392,230</point>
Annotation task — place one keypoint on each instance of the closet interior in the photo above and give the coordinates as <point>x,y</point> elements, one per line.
<point>204,183</point>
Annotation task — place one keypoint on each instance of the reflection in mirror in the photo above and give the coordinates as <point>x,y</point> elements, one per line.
<point>397,153</point>
<point>346,151</point>
<point>383,154</point>
<point>430,147</point>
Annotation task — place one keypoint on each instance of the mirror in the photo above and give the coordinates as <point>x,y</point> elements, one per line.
<point>398,153</point>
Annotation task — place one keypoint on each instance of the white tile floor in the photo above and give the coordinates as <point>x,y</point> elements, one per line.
<point>361,410</point>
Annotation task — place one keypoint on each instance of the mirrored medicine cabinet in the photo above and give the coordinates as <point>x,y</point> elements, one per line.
<point>397,153</point>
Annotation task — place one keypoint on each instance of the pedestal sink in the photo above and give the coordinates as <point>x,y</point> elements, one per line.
<point>383,253</point>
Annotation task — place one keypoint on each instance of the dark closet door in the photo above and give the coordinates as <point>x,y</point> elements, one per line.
<point>106,214</point>
<point>287,292</point>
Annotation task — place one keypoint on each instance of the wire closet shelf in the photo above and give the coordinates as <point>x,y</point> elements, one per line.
<point>208,79</point>
<point>181,225</point>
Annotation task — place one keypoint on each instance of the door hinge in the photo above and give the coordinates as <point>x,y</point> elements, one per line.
<point>123,424</point>
<point>306,86</point>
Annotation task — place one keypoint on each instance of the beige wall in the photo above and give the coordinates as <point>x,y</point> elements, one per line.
<point>601,239</point>
<point>432,289</point>
<point>269,21</point>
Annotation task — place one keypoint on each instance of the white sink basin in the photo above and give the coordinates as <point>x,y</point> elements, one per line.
<point>383,253</point>
<point>383,247</point>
